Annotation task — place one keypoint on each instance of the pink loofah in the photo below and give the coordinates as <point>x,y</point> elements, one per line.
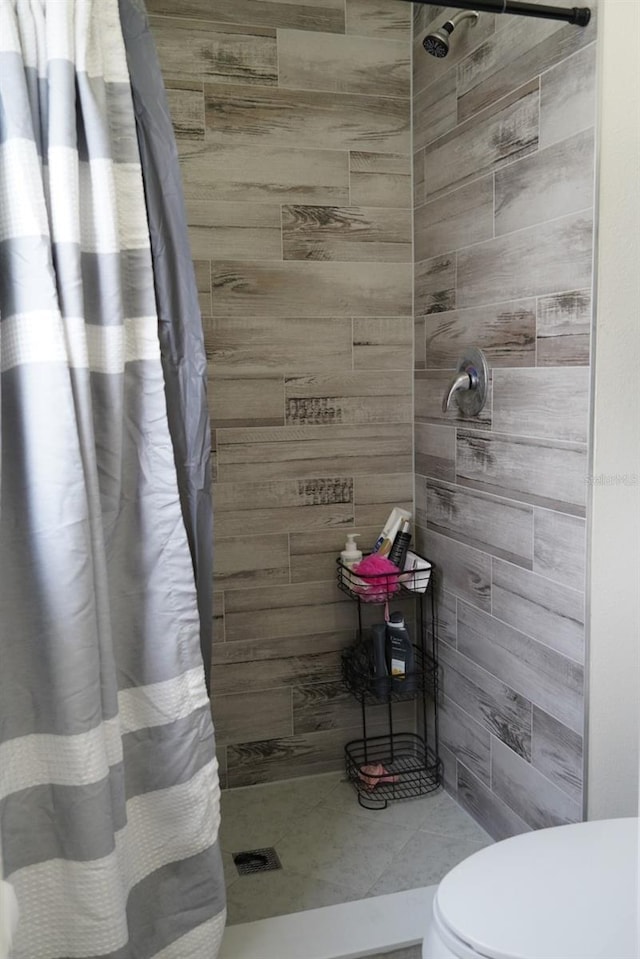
<point>376,587</point>
<point>376,773</point>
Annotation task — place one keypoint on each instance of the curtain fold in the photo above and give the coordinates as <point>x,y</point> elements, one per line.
<point>109,795</point>
<point>179,323</point>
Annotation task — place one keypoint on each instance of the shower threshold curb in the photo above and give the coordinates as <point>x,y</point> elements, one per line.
<point>350,930</point>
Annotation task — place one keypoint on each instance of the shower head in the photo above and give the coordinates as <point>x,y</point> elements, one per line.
<point>437,42</point>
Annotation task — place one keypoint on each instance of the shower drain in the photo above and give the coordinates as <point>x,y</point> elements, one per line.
<point>256,860</point>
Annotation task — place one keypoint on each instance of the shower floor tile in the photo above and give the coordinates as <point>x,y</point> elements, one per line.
<point>257,816</point>
<point>332,850</point>
<point>436,812</point>
<point>264,895</point>
<point>341,847</point>
<point>428,858</point>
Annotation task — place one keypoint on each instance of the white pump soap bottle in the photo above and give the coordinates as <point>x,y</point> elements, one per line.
<point>349,557</point>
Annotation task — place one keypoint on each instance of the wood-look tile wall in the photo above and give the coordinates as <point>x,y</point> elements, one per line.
<point>503,180</point>
<point>293,123</point>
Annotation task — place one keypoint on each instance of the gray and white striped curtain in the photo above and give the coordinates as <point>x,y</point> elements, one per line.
<point>109,796</point>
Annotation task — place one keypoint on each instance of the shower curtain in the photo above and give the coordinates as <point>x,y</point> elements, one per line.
<point>109,796</point>
<point>180,327</point>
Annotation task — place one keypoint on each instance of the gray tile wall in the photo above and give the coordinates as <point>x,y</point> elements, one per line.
<point>293,123</point>
<point>294,133</point>
<point>503,186</point>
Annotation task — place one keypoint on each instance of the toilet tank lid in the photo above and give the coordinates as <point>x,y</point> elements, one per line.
<point>569,892</point>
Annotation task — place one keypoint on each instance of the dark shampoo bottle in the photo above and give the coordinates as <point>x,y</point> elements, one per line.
<point>400,654</point>
<point>400,546</point>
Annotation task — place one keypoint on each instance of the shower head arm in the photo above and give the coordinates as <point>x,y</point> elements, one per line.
<point>463,15</point>
<point>579,16</point>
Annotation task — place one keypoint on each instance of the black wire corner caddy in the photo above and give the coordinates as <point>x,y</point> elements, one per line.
<point>391,763</point>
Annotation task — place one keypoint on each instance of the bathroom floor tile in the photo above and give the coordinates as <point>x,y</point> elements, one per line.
<point>258,816</point>
<point>264,895</point>
<point>445,817</point>
<point>342,848</point>
<point>424,861</point>
<point>437,812</point>
<point>332,850</point>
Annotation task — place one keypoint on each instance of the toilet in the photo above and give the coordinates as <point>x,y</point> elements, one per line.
<point>569,892</point>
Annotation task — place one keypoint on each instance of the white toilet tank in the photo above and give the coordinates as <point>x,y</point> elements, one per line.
<point>571,892</point>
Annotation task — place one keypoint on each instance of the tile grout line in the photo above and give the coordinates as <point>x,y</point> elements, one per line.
<point>494,217</point>
<point>353,336</point>
<point>491,584</point>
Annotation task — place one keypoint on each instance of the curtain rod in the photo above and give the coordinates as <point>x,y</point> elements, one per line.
<point>580,16</point>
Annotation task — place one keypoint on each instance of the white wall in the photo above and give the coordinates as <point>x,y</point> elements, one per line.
<point>614,659</point>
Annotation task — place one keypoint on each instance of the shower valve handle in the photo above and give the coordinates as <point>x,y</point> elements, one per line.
<point>469,384</point>
<point>461,381</point>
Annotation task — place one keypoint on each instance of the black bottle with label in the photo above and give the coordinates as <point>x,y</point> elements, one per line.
<point>400,655</point>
